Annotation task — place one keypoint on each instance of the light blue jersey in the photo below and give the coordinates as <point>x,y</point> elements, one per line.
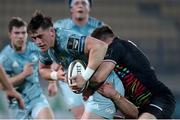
<point>30,89</point>
<point>69,45</point>
<point>86,29</point>
<point>69,41</point>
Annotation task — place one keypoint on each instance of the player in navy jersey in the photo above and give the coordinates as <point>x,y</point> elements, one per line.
<point>142,87</point>
<point>20,61</point>
<point>79,22</point>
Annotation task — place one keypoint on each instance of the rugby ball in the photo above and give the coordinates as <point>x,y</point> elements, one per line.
<point>76,67</point>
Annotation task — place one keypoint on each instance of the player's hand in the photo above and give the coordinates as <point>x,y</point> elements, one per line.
<point>56,66</point>
<point>28,69</point>
<point>107,90</point>
<point>78,81</point>
<point>52,88</point>
<point>61,75</point>
<point>12,94</point>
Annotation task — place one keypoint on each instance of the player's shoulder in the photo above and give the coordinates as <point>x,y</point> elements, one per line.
<point>31,46</point>
<point>5,53</point>
<point>6,50</point>
<point>64,23</point>
<point>95,22</point>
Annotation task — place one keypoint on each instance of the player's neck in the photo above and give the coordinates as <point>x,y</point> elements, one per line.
<point>80,21</point>
<point>109,40</point>
<point>19,49</point>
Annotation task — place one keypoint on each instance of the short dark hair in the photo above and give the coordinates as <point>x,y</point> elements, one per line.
<point>39,20</point>
<point>102,32</point>
<point>16,22</point>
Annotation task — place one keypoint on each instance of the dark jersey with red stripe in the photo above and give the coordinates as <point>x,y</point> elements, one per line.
<point>135,71</point>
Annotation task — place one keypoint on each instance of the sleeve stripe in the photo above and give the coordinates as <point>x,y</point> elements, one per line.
<point>82,44</point>
<point>108,60</point>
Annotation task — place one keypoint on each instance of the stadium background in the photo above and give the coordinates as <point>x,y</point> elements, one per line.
<point>154,25</point>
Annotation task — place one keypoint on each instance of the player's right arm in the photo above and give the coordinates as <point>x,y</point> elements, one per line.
<point>19,78</point>
<point>46,71</point>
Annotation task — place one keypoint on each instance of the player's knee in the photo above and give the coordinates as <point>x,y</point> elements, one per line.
<point>78,111</point>
<point>146,116</point>
<point>45,113</point>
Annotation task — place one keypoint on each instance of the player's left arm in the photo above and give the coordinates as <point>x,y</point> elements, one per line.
<point>3,79</point>
<point>102,73</point>
<point>96,50</point>
<point>10,92</point>
<point>128,109</point>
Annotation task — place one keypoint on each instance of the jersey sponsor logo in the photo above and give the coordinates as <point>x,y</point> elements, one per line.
<point>109,110</point>
<point>73,44</point>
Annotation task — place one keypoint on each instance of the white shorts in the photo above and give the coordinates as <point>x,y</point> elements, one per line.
<point>31,109</point>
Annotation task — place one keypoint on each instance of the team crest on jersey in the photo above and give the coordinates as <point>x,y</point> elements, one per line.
<point>15,64</point>
<point>34,58</point>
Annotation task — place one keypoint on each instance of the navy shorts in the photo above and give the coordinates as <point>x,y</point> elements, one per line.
<point>161,106</point>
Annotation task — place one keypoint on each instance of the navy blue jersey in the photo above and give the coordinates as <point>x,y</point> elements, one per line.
<point>135,71</point>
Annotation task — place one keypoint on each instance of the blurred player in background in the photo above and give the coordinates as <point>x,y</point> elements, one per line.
<point>154,99</point>
<point>20,61</point>
<point>82,23</point>
<point>10,92</point>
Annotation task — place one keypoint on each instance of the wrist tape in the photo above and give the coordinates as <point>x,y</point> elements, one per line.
<point>53,75</point>
<point>88,73</point>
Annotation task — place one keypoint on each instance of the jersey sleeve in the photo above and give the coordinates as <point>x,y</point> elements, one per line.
<point>115,52</point>
<point>76,44</point>
<point>44,58</point>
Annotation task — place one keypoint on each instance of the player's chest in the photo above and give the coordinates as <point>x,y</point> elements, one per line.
<point>18,61</point>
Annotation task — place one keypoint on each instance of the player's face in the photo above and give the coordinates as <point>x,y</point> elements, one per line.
<point>18,36</point>
<point>80,9</point>
<point>44,39</point>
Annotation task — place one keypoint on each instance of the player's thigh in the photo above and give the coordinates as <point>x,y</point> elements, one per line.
<point>100,106</point>
<point>77,111</point>
<point>41,108</point>
<point>91,115</point>
<point>71,99</point>
<point>16,113</point>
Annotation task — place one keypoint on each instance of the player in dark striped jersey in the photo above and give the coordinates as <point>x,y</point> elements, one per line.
<point>142,87</point>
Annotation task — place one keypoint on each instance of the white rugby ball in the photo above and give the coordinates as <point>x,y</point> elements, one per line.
<point>76,67</point>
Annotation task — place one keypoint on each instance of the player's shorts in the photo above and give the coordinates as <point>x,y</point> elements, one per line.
<point>70,98</point>
<point>101,105</point>
<point>31,109</point>
<point>34,101</point>
<point>161,106</point>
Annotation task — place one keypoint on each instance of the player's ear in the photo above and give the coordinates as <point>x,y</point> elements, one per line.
<point>52,31</point>
<point>9,34</point>
<point>71,10</point>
